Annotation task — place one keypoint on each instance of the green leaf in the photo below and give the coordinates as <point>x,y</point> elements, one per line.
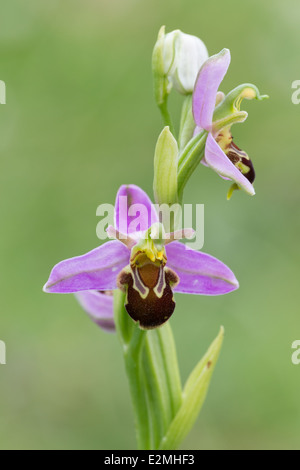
<point>193,397</point>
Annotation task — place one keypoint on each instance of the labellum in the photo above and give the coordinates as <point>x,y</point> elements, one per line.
<point>238,157</point>
<point>148,286</point>
<point>241,160</point>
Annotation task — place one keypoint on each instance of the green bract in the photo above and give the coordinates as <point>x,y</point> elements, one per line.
<point>165,169</point>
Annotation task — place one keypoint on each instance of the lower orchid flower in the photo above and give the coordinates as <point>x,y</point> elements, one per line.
<point>221,154</point>
<point>99,307</point>
<point>147,264</point>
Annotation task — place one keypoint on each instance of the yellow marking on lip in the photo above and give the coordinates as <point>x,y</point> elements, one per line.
<point>150,252</point>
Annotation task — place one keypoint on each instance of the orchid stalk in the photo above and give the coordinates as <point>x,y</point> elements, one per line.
<point>129,284</point>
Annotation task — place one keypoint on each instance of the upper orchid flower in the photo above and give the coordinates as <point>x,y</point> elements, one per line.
<point>215,114</point>
<point>146,263</point>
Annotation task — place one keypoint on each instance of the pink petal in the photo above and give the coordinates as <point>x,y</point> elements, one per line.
<point>99,307</point>
<point>218,161</point>
<point>96,270</point>
<point>198,272</point>
<point>207,84</point>
<point>134,210</point>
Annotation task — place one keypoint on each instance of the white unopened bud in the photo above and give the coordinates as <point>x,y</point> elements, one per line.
<point>183,56</point>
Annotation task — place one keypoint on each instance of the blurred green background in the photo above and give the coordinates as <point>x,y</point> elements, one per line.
<point>80,120</point>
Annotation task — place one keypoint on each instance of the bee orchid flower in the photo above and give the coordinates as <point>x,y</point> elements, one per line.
<point>209,104</point>
<point>147,264</point>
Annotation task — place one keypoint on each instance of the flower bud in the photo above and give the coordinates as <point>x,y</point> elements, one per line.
<point>177,59</point>
<point>165,168</point>
<point>190,54</point>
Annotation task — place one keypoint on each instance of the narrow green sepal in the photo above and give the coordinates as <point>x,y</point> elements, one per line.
<point>165,168</point>
<point>193,397</point>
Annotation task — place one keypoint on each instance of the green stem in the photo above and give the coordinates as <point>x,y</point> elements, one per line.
<point>163,107</point>
<point>162,379</point>
<point>135,375</point>
<point>157,389</point>
<point>171,368</point>
<point>132,340</point>
<point>153,375</point>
